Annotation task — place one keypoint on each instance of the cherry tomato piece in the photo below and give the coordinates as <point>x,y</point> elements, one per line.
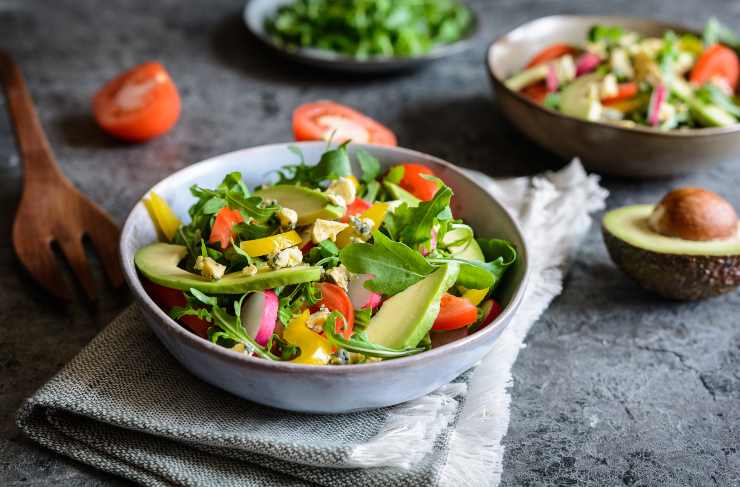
<point>414,182</point>
<point>168,298</point>
<point>454,312</point>
<point>325,119</point>
<point>336,299</point>
<point>138,105</point>
<point>221,232</point>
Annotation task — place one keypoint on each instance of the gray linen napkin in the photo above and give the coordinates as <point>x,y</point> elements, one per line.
<point>126,406</point>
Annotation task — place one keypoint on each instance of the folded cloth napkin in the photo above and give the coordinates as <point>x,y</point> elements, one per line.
<point>124,405</point>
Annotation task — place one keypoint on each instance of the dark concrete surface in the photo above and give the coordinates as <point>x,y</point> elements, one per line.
<point>615,387</point>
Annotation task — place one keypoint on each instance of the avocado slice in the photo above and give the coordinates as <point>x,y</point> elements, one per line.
<point>673,267</point>
<point>308,203</point>
<point>466,251</point>
<point>707,115</point>
<point>158,263</point>
<point>580,99</point>
<point>405,319</point>
<point>401,194</point>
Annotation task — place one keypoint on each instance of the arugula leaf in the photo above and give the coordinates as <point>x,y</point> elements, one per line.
<point>360,344</point>
<point>414,225</point>
<point>395,174</point>
<point>473,274</point>
<point>232,329</point>
<point>394,265</point>
<point>717,33</point>
<point>370,166</point>
<point>325,253</point>
<point>371,191</point>
<point>610,34</point>
<point>500,255</point>
<point>333,164</point>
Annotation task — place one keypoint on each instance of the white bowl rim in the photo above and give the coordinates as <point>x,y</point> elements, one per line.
<point>171,326</point>
<point>637,129</point>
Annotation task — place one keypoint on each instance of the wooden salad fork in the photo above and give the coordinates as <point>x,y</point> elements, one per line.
<point>51,210</point>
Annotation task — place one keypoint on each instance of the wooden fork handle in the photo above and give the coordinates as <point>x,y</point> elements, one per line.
<point>38,159</point>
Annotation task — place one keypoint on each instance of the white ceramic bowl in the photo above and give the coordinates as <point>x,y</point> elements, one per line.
<point>323,389</point>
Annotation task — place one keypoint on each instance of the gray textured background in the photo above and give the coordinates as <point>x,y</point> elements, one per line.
<point>615,387</point>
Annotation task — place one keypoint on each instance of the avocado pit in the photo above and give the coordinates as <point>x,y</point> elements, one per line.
<point>685,247</point>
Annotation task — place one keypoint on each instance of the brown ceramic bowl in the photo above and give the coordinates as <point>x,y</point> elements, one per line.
<point>639,152</point>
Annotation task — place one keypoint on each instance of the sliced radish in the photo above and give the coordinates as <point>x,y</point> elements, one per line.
<point>360,296</point>
<point>656,103</point>
<point>551,81</point>
<point>259,314</point>
<point>586,63</point>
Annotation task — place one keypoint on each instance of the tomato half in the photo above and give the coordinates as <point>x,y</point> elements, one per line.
<point>454,313</point>
<point>139,104</point>
<point>168,298</point>
<point>325,119</point>
<point>717,61</point>
<point>416,184</point>
<point>221,232</point>
<point>551,52</point>
<point>336,299</point>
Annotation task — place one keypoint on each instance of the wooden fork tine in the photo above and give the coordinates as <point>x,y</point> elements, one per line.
<point>74,252</point>
<point>40,261</point>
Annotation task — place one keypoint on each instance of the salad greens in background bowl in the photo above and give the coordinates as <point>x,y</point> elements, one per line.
<point>259,277</point>
<point>631,97</point>
<point>363,36</point>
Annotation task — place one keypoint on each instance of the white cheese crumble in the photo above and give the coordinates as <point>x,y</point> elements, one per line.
<point>287,218</point>
<point>344,188</point>
<point>326,230</point>
<point>289,257</point>
<point>209,268</point>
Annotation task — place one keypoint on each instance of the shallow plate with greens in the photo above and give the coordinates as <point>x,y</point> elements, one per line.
<point>363,36</point>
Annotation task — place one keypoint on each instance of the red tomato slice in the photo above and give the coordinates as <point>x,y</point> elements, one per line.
<point>139,104</point>
<point>537,92</point>
<point>221,232</point>
<point>552,52</point>
<point>168,298</point>
<point>454,313</point>
<point>626,91</point>
<point>716,61</point>
<point>335,299</point>
<point>414,183</point>
<point>322,119</point>
<point>356,208</point>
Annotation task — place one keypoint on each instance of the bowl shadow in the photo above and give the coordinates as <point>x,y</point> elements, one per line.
<point>472,133</point>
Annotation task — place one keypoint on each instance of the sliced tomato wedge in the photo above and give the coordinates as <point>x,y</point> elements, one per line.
<point>537,92</point>
<point>336,299</point>
<point>717,61</point>
<point>356,208</point>
<point>324,120</point>
<point>168,298</point>
<point>551,52</point>
<point>222,232</point>
<point>454,312</point>
<point>625,92</point>
<point>138,105</point>
<point>416,184</point>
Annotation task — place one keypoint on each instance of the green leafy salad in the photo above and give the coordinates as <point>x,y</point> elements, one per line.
<point>324,266</point>
<point>618,76</point>
<point>370,28</point>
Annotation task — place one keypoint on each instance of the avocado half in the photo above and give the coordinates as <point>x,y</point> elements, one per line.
<point>673,267</point>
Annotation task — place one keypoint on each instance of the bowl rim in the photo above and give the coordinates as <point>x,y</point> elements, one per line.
<point>328,57</point>
<point>637,129</point>
<point>225,354</point>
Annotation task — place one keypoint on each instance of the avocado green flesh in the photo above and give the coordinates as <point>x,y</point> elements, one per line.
<point>576,99</point>
<point>466,251</point>
<point>405,319</point>
<point>401,194</point>
<point>308,203</point>
<point>158,263</point>
<point>630,224</point>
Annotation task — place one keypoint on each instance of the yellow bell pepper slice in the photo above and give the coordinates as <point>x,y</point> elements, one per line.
<point>164,218</point>
<point>315,349</point>
<point>376,213</point>
<point>475,296</point>
<point>269,245</point>
<point>354,181</point>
